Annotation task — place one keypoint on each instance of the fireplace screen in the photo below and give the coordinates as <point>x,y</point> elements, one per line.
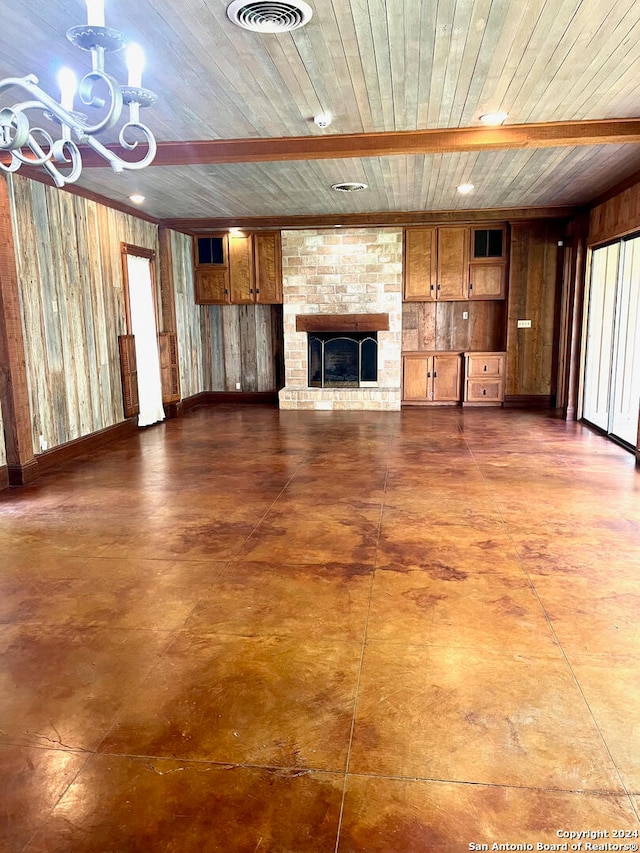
<point>342,360</point>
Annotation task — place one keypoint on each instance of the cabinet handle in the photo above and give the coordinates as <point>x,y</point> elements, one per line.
<point>226,292</point>
<point>470,286</point>
<point>257,290</point>
<point>428,375</point>
<point>485,368</point>
<point>250,290</point>
<point>435,374</point>
<point>431,287</point>
<point>484,391</point>
<point>439,287</point>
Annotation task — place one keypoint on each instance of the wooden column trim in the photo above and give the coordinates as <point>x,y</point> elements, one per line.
<point>570,409</point>
<point>14,389</point>
<point>167,289</point>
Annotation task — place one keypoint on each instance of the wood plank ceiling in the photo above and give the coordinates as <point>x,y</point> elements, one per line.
<point>379,66</point>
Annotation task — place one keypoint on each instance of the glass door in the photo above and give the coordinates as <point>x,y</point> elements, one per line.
<point>600,337</point>
<point>625,400</point>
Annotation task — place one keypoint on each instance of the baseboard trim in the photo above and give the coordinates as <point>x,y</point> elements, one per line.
<point>85,444</point>
<point>217,398</point>
<point>528,401</point>
<point>21,475</point>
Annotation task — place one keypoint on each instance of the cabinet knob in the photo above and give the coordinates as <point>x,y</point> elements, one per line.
<point>226,292</point>
<point>435,374</point>
<point>484,391</point>
<point>470,286</point>
<point>257,290</point>
<point>485,368</point>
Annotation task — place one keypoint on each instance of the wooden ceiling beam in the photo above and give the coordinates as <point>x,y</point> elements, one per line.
<point>437,141</point>
<point>368,220</point>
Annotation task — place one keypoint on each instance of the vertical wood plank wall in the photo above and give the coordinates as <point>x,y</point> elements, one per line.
<point>222,345</point>
<point>70,278</point>
<point>3,450</point>
<point>533,283</point>
<point>190,325</point>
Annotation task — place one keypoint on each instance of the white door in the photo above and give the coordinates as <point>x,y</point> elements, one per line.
<point>625,402</point>
<point>600,325</point>
<point>145,331</point>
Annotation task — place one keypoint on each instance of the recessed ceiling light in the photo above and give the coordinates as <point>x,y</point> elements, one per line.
<point>349,187</point>
<point>465,188</point>
<point>494,119</point>
<point>136,199</point>
<point>269,16</point>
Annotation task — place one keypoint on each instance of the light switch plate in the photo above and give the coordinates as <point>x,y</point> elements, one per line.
<point>524,324</point>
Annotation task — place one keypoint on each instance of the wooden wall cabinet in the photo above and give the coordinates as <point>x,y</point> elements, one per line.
<point>211,268</point>
<point>267,253</point>
<point>488,262</point>
<point>484,378</point>
<point>431,377</point>
<point>455,263</point>
<point>238,269</point>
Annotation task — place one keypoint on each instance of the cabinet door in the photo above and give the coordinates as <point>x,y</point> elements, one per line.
<point>446,377</point>
<point>486,281</point>
<point>169,371</point>
<point>268,267</point>
<point>241,270</point>
<point>453,262</point>
<point>420,264</point>
<point>416,377</point>
<point>212,285</point>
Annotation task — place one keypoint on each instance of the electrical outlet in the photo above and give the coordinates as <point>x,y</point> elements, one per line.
<point>239,384</point>
<point>465,315</point>
<point>524,324</point>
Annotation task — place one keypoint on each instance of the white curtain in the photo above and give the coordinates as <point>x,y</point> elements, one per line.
<point>143,327</point>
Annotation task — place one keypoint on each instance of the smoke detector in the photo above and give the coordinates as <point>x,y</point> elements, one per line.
<point>323,119</point>
<point>349,187</point>
<point>269,16</point>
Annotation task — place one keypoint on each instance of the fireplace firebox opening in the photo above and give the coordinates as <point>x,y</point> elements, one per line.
<point>342,360</point>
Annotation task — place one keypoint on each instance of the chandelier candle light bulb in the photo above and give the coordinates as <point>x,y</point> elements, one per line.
<point>68,88</point>
<point>95,13</point>
<point>135,64</point>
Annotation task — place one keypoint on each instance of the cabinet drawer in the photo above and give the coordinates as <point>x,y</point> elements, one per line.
<point>484,391</point>
<point>485,365</point>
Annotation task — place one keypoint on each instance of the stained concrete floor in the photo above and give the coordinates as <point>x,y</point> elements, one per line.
<point>254,631</point>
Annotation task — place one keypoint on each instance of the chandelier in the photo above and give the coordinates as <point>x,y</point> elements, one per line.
<point>60,156</point>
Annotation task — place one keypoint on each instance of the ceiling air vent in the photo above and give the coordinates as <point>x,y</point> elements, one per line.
<point>349,187</point>
<point>265,16</point>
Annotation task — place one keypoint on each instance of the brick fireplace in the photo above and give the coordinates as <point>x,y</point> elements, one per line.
<point>354,273</point>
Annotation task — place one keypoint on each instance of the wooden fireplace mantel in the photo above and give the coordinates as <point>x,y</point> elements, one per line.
<point>342,322</point>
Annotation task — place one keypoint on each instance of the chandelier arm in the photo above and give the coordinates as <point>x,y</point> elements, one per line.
<point>116,162</point>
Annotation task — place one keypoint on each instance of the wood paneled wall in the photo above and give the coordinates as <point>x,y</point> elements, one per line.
<point>440,326</point>
<point>533,289</point>
<point>3,450</point>
<point>191,324</point>
<point>70,278</point>
<point>616,217</point>
<point>222,345</point>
